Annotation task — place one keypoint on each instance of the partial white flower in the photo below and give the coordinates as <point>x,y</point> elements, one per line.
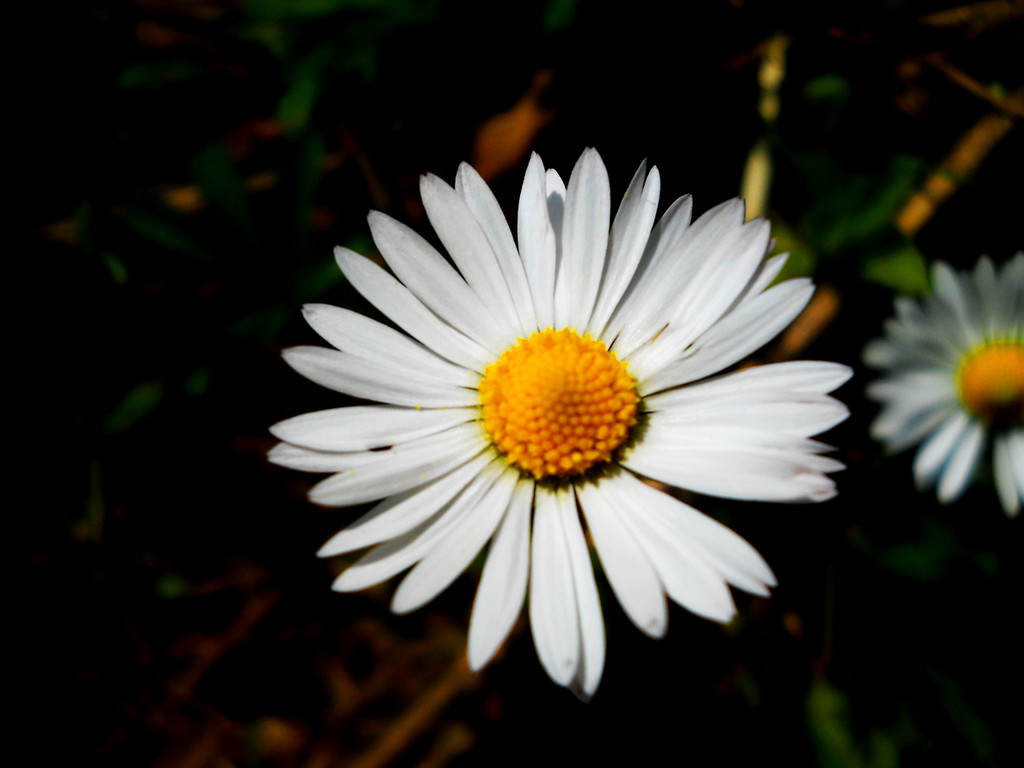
<point>530,388</point>
<point>954,379</point>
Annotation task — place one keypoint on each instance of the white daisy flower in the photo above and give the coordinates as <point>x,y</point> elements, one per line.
<point>954,379</point>
<point>530,390</point>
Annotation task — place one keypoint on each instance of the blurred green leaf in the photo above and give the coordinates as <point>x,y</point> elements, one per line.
<point>156,74</point>
<point>160,230</point>
<point>171,586</point>
<point>318,277</point>
<point>214,170</point>
<point>828,89</point>
<point>559,14</point>
<point>925,559</point>
<point>973,728</point>
<point>198,382</point>
<point>901,268</point>
<point>304,85</point>
<point>849,209</point>
<point>306,169</point>
<point>90,526</point>
<point>884,750</point>
<point>115,268</point>
<point>263,326</point>
<point>835,741</point>
<point>801,261</point>
<point>136,405</point>
<point>828,719</point>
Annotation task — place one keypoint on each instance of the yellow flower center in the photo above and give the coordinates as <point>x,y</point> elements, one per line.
<point>991,381</point>
<point>558,403</point>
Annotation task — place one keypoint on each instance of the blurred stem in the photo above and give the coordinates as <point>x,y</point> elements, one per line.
<point>956,168</point>
<point>757,173</point>
<point>403,729</point>
<point>1012,105</point>
<point>817,315</point>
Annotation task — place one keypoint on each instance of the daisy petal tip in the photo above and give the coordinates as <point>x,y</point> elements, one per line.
<point>479,653</point>
<point>723,615</point>
<point>311,310</point>
<point>278,430</point>
<point>402,604</point>
<point>274,454</point>
<point>561,671</point>
<point>824,494</point>
<point>343,583</point>
<point>334,546</point>
<point>326,551</point>
<point>655,628</point>
<point>341,253</point>
<point>582,692</point>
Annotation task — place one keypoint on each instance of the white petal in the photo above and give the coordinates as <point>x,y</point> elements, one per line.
<point>400,468</point>
<point>624,562</point>
<point>1015,442</point>
<point>958,295</point>
<point>738,334</point>
<point>466,243</point>
<point>426,273</point>
<point>306,460</point>
<point>584,240</point>
<point>588,606</point>
<point>935,451</point>
<point>395,555</point>
<point>679,274</point>
<point>725,273</point>
<point>388,382</point>
<point>661,248</point>
<point>988,289</point>
<point>408,313</point>
<point>729,554</point>
<point>901,427</point>
<point>756,384</point>
<point>961,465</point>
<point>499,598</point>
<point>686,575</point>
<point>485,208</point>
<point>1010,491</point>
<point>537,243</point>
<point>364,427</point>
<point>400,513</point>
<point>359,335</point>
<point>453,554</point>
<point>553,613</point>
<point>733,474</point>
<point>627,242</point>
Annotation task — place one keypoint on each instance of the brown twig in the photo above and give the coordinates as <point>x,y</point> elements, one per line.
<point>419,716</point>
<point>1013,106</point>
<point>958,166</point>
<point>808,326</point>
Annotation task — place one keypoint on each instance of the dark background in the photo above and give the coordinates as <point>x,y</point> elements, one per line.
<point>192,165</point>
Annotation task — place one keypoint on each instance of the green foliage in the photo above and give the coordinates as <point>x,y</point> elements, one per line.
<point>214,171</point>
<point>829,89</point>
<point>849,210</point>
<point>836,743</point>
<point>137,403</point>
<point>559,14</point>
<point>164,229</point>
<point>901,268</point>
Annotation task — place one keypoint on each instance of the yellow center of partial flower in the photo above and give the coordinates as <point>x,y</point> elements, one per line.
<point>991,381</point>
<point>557,403</point>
